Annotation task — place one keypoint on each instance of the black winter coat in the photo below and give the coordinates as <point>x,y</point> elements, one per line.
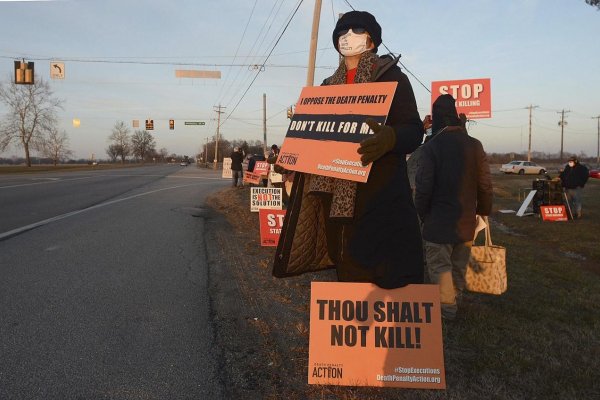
<point>453,184</point>
<point>236,161</point>
<point>382,244</point>
<point>575,177</point>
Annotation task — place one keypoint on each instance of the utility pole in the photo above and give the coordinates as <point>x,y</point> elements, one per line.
<point>264,123</point>
<point>562,124</point>
<point>314,38</point>
<point>219,112</point>
<point>529,149</point>
<point>598,150</point>
<point>206,153</point>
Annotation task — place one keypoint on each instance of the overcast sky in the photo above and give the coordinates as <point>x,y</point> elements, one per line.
<point>121,55</point>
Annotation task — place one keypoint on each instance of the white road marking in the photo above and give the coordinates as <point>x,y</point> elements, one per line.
<point>58,180</point>
<point>22,229</point>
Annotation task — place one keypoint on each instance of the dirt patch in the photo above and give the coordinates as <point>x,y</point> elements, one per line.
<point>261,322</point>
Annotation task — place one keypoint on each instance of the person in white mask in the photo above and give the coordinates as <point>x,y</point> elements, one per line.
<point>371,229</point>
<point>573,178</point>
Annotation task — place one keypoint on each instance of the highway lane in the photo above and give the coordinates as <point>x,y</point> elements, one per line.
<point>110,299</point>
<point>28,198</point>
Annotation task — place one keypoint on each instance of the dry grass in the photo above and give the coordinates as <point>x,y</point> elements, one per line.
<point>539,340</point>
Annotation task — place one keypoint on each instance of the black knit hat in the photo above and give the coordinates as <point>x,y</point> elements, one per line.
<point>444,113</point>
<point>358,19</point>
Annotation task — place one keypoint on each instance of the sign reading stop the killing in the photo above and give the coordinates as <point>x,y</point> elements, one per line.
<point>271,222</point>
<point>554,213</point>
<point>473,96</point>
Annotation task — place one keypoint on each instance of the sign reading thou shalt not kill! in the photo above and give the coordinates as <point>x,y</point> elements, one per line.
<point>362,335</point>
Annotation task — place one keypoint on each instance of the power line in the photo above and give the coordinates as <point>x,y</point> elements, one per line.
<point>259,71</point>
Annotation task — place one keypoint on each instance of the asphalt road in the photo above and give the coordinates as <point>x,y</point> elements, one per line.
<point>103,289</point>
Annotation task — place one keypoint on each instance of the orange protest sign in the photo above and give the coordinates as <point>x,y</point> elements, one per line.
<point>271,222</point>
<point>554,213</point>
<point>362,335</point>
<point>473,96</point>
<point>250,177</point>
<point>328,126</point>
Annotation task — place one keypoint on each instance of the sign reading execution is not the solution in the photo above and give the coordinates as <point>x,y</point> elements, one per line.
<point>267,198</point>
<point>328,126</point>
<point>362,335</point>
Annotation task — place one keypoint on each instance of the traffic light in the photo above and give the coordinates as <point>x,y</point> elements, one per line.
<point>24,73</point>
<point>290,112</point>
<point>171,124</point>
<point>149,124</point>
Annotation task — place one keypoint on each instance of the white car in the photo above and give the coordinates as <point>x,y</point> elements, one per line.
<point>522,168</point>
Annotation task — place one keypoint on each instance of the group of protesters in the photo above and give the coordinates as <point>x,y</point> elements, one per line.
<point>382,231</point>
<point>237,164</point>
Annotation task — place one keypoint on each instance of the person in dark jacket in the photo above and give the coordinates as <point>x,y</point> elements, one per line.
<point>368,231</point>
<point>453,186</point>
<point>573,178</point>
<point>236,167</point>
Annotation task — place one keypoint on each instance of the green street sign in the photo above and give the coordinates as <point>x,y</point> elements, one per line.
<point>194,123</point>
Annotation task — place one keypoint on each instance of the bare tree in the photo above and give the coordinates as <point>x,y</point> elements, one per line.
<point>31,115</point>
<point>164,153</point>
<point>120,139</point>
<point>113,152</point>
<point>142,144</point>
<point>595,3</point>
<point>56,146</point>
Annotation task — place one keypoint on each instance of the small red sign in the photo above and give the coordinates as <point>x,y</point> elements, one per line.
<point>271,222</point>
<point>473,96</point>
<point>554,213</point>
<point>261,168</point>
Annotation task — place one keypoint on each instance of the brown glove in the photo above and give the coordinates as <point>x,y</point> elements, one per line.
<point>380,143</point>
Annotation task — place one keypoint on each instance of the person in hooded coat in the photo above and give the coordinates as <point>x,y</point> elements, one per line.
<point>368,231</point>
<point>453,186</point>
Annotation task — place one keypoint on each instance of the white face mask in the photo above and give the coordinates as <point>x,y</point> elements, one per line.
<point>352,44</point>
<point>571,164</point>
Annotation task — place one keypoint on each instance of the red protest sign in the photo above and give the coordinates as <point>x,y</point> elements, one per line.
<point>328,126</point>
<point>362,335</point>
<point>554,213</point>
<point>261,168</point>
<point>473,96</point>
<point>271,222</point>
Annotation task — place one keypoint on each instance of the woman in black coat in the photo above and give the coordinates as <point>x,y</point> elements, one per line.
<point>379,241</point>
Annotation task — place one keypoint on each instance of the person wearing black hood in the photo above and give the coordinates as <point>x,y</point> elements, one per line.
<point>368,231</point>
<point>453,186</point>
<point>573,178</point>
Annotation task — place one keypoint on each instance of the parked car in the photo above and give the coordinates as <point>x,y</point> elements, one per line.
<point>183,164</point>
<point>522,168</point>
<point>595,173</point>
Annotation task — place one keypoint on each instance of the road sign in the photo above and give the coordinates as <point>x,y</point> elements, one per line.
<point>57,70</point>
<point>194,122</point>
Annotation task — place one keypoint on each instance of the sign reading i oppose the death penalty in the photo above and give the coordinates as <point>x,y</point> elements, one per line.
<point>362,335</point>
<point>328,126</point>
<point>267,198</point>
<point>473,96</point>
